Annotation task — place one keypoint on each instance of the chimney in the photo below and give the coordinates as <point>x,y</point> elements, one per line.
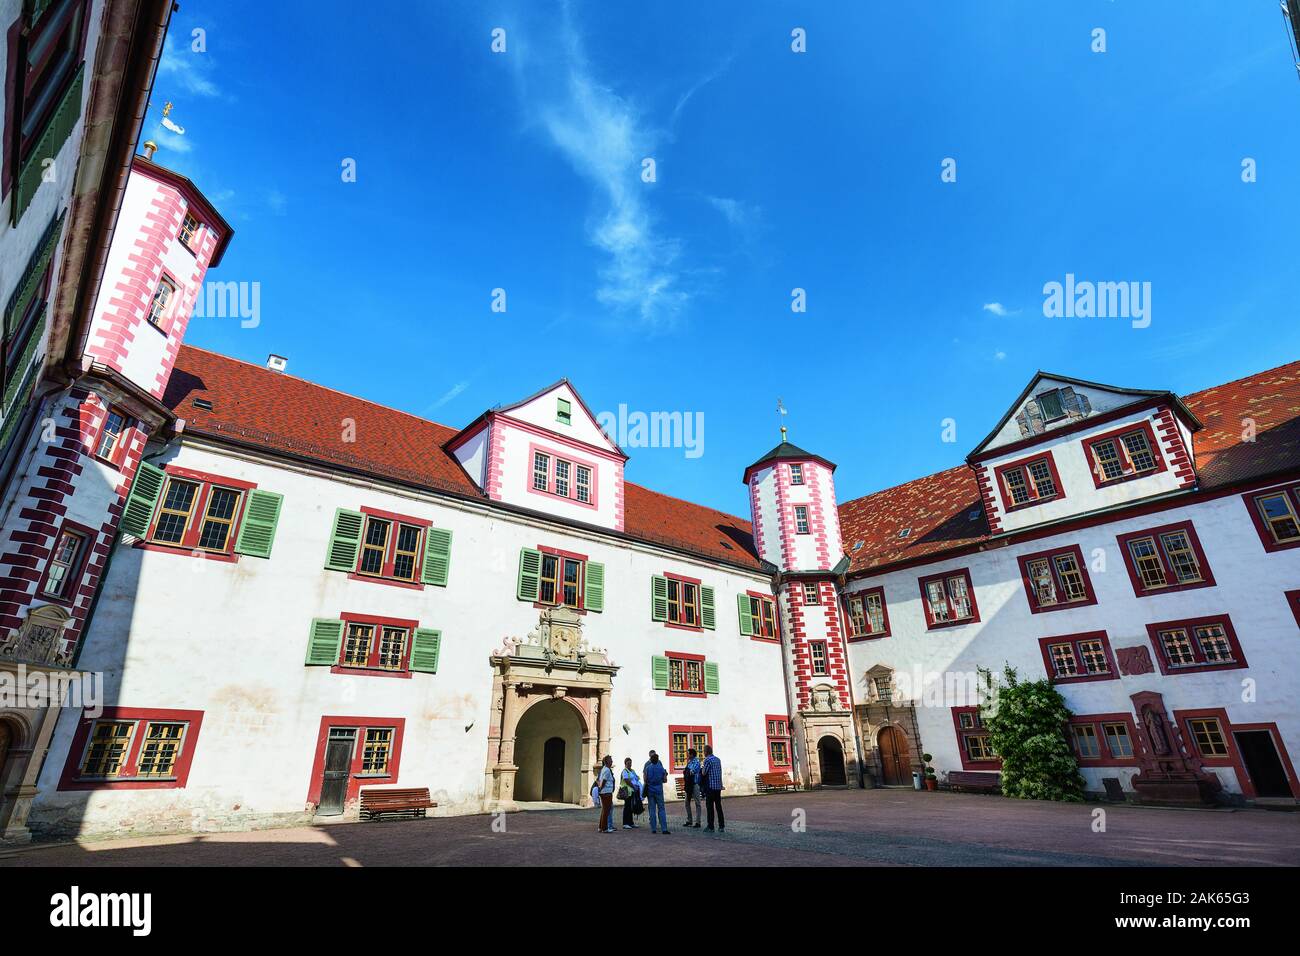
<point>150,147</point>
<point>277,363</point>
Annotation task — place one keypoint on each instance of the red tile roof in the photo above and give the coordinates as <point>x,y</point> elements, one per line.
<point>281,413</point>
<point>937,508</point>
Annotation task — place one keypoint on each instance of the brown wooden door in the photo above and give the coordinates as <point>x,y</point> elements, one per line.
<point>894,758</point>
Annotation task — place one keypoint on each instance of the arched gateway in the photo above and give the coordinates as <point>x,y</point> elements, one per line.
<point>550,715</point>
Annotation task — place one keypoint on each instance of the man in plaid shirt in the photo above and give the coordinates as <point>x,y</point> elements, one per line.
<point>711,778</point>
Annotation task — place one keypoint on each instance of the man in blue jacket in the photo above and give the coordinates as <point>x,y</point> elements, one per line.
<point>654,775</point>
<point>711,775</point>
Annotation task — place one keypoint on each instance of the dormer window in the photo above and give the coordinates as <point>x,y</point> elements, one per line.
<point>1124,454</point>
<point>562,477</point>
<point>1051,405</point>
<point>1029,482</point>
<point>541,471</point>
<point>796,474</point>
<point>563,411</point>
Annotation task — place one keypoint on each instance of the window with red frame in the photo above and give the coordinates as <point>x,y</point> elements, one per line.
<point>683,602</point>
<point>683,738</point>
<point>1124,454</point>
<point>974,740</point>
<point>817,658</point>
<point>1074,658</point>
<point>1102,740</point>
<point>49,56</point>
<point>1208,736</point>
<point>1056,579</point>
<point>1029,482</point>
<point>685,674</point>
<point>1276,514</point>
<point>778,742</point>
<point>1197,644</point>
<point>161,302</point>
<point>867,614</point>
<point>197,514</point>
<point>1167,558</point>
<point>561,477</point>
<point>801,519</point>
<point>133,749</point>
<point>63,569</point>
<point>391,548</point>
<point>758,616</point>
<point>373,645</point>
<point>189,229</point>
<point>110,443</point>
<point>796,474</point>
<point>949,599</point>
<point>812,593</point>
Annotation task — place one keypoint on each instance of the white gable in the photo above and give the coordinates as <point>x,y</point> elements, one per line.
<point>1053,403</point>
<point>545,411</point>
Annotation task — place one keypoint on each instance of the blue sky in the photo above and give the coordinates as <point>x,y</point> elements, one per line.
<point>775,170</point>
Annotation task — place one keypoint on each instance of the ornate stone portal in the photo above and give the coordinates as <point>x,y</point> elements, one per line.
<point>39,639</point>
<point>825,730</point>
<point>553,662</point>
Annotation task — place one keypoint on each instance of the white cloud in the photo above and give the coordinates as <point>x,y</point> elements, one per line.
<point>604,138</point>
<point>182,69</point>
<point>997,308</point>
<point>448,395</point>
<point>742,216</point>
<point>999,355</point>
<point>277,201</point>
<point>169,142</point>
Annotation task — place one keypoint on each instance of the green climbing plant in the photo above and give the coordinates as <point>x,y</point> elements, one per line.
<point>1026,722</point>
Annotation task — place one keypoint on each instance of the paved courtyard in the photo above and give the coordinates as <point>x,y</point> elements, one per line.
<point>843,828</point>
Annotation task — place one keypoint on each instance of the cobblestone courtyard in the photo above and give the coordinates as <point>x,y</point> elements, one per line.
<point>843,828</point>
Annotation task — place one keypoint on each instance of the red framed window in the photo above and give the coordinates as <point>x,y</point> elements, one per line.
<point>683,601</point>
<point>683,737</point>
<point>378,644</point>
<point>392,546</point>
<point>817,659</point>
<point>973,741</point>
<point>110,440</point>
<point>1124,454</point>
<point>563,577</point>
<point>1029,482</point>
<point>948,599</point>
<point>1075,658</point>
<point>67,560</point>
<point>760,616</point>
<point>127,748</point>
<point>562,476</point>
<point>47,59</point>
<point>796,474</point>
<point>160,304</point>
<point>1056,579</point>
<point>801,519</point>
<point>778,742</point>
<point>1103,740</point>
<point>1196,644</point>
<point>190,227</point>
<point>198,512</point>
<point>867,614</point>
<point>1276,515</point>
<point>812,593</point>
<point>685,674</point>
<point>376,752</point>
<point>1168,558</point>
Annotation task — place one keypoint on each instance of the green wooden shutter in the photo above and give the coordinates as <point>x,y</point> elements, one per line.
<point>437,557</point>
<point>746,620</point>
<point>345,540</point>
<point>56,133</point>
<point>145,489</point>
<point>257,533</point>
<point>708,616</point>
<point>710,677</point>
<point>424,650</point>
<point>659,673</point>
<point>658,598</point>
<point>324,641</point>
<point>530,574</point>
<point>593,592</point>
<point>31,283</point>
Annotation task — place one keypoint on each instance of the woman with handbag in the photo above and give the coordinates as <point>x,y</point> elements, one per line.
<point>629,792</point>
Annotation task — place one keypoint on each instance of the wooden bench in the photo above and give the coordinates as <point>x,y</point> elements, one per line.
<point>775,782</point>
<point>375,803</point>
<point>980,781</point>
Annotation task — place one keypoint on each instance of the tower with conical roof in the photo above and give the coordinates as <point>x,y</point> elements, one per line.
<point>796,525</point>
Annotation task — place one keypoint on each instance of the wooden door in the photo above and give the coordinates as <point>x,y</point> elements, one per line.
<point>338,766</point>
<point>896,763</point>
<point>553,770</point>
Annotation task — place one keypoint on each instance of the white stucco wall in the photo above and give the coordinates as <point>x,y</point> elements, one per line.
<point>229,639</point>
<point>1249,589</point>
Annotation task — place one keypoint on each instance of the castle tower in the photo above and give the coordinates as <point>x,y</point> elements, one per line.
<point>797,530</point>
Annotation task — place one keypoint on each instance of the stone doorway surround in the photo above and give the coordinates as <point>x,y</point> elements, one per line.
<point>879,707</point>
<point>826,716</point>
<point>553,662</point>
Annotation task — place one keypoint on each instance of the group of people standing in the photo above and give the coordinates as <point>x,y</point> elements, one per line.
<point>701,780</point>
